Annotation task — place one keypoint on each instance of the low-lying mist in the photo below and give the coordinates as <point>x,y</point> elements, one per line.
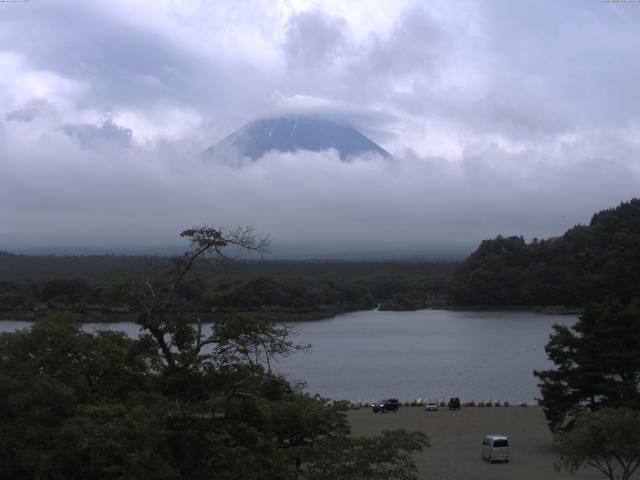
<point>62,194</point>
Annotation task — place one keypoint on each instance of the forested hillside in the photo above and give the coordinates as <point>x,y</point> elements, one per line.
<point>586,264</point>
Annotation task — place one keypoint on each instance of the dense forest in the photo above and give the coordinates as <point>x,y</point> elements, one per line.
<point>585,265</point>
<point>35,286</point>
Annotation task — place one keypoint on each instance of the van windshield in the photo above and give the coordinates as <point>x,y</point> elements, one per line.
<point>501,443</point>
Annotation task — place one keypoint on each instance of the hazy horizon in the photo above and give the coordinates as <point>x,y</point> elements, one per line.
<point>326,251</point>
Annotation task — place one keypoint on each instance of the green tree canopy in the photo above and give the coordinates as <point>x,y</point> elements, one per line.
<point>607,440</point>
<point>586,264</point>
<point>597,363</point>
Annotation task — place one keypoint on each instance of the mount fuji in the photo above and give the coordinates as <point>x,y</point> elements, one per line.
<point>291,134</point>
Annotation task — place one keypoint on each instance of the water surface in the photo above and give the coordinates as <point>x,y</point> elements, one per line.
<point>427,353</point>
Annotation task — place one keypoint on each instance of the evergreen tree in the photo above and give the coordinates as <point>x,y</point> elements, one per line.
<point>597,363</point>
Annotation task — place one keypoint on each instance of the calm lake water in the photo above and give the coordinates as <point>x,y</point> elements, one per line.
<point>428,353</point>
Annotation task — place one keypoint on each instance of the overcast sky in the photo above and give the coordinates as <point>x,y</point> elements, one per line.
<point>504,117</point>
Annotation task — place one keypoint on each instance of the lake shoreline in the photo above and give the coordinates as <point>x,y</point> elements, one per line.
<point>207,317</point>
<point>284,317</point>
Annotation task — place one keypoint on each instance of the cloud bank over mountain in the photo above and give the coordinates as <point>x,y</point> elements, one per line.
<point>503,117</point>
<point>312,203</point>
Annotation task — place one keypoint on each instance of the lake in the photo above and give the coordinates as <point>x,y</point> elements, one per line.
<point>427,353</point>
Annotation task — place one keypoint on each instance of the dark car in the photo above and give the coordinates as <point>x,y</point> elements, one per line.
<point>454,403</point>
<point>385,405</point>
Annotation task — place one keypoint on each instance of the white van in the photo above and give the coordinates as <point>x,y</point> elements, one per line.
<point>495,447</point>
<point>431,406</point>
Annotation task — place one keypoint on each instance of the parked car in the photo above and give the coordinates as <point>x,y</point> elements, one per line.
<point>454,403</point>
<point>386,405</point>
<point>496,448</point>
<point>431,406</point>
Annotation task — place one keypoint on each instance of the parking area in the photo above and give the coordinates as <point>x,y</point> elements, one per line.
<point>456,438</point>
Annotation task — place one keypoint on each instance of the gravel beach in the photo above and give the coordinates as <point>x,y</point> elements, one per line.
<point>456,436</point>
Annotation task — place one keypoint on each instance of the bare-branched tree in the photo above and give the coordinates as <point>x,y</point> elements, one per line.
<point>166,318</point>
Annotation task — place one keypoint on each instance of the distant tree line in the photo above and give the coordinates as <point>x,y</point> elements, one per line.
<point>105,268</point>
<point>325,290</point>
<point>263,294</point>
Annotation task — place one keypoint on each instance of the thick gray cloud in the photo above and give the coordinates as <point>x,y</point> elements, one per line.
<point>121,197</point>
<point>505,117</point>
<point>413,47</point>
<point>106,131</point>
<point>314,39</point>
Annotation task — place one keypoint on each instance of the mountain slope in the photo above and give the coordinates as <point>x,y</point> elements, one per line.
<point>290,134</point>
